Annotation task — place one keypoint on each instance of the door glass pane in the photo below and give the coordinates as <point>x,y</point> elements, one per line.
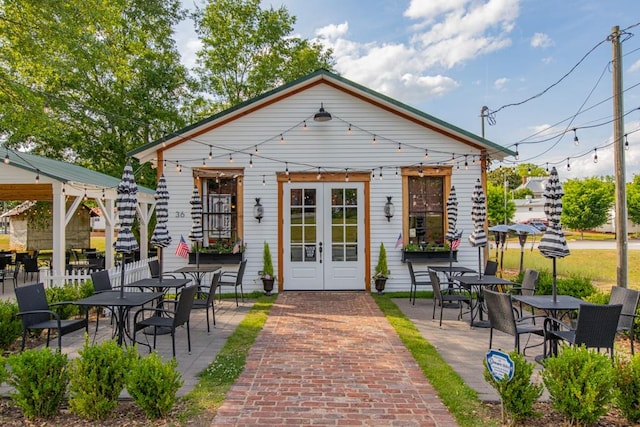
<point>344,224</point>
<point>303,228</point>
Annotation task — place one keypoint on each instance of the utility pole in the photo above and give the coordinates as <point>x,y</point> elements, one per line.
<point>619,162</point>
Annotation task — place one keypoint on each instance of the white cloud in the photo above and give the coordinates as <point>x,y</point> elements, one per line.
<point>500,83</point>
<point>547,60</point>
<point>634,67</point>
<point>447,33</point>
<point>541,40</point>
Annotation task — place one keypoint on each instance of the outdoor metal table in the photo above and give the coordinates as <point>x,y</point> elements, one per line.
<point>452,271</point>
<point>477,284</point>
<point>120,307</point>
<point>197,272</point>
<point>157,285</point>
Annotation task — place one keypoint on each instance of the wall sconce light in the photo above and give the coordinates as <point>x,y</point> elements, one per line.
<point>258,210</point>
<point>322,115</point>
<point>388,209</point>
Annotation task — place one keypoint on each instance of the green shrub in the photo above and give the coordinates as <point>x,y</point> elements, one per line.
<point>627,380</point>
<point>580,384</point>
<point>68,292</point>
<point>39,378</point>
<point>598,297</point>
<point>10,324</point>
<point>97,378</point>
<point>576,286</point>
<point>153,385</point>
<point>3,370</point>
<point>519,394</point>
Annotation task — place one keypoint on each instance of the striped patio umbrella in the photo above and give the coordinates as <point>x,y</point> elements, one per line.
<point>478,237</point>
<point>453,235</point>
<point>196,235</point>
<point>553,243</point>
<point>161,238</point>
<point>126,202</point>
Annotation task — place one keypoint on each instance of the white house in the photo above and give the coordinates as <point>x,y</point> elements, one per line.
<point>323,155</point>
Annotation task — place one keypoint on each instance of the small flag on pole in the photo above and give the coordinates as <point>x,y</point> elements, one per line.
<point>399,241</point>
<point>236,247</point>
<point>455,244</point>
<point>183,249</point>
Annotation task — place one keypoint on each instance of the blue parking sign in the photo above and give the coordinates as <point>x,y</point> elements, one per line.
<point>500,365</point>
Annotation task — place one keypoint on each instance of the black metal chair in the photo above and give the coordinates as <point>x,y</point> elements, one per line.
<point>596,328</point>
<point>170,319</point>
<point>205,298</point>
<point>453,297</point>
<point>629,299</point>
<point>527,287</point>
<point>154,270</point>
<point>16,272</point>
<point>233,278</point>
<point>491,268</point>
<point>418,278</point>
<point>30,267</point>
<point>504,317</point>
<point>36,314</point>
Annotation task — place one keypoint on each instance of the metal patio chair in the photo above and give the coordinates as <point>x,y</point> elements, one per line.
<point>205,298</point>
<point>527,287</point>
<point>629,299</point>
<point>453,297</point>
<point>233,278</point>
<point>504,317</point>
<point>596,328</point>
<point>170,319</point>
<point>36,314</point>
<point>418,278</point>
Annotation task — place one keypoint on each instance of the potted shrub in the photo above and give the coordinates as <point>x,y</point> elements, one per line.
<point>267,276</point>
<point>382,271</point>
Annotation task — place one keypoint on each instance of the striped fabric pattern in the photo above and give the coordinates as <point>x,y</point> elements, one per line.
<point>126,203</point>
<point>161,237</point>
<point>478,236</point>
<point>553,243</point>
<point>196,234</point>
<point>452,216</point>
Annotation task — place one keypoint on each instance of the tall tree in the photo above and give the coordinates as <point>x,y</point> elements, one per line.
<point>633,199</point>
<point>586,203</point>
<point>247,51</point>
<point>88,80</point>
<point>499,211</point>
<point>503,174</point>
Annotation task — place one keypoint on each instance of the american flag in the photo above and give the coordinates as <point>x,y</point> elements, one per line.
<point>399,241</point>
<point>183,249</point>
<point>236,247</point>
<point>455,244</point>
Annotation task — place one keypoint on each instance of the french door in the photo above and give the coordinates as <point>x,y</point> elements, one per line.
<point>323,236</point>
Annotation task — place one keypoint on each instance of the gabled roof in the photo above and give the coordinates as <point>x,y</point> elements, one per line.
<point>61,171</point>
<point>145,152</point>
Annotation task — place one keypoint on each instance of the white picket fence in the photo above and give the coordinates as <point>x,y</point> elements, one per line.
<point>132,271</point>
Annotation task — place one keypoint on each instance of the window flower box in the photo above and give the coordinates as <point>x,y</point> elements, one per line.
<point>216,258</point>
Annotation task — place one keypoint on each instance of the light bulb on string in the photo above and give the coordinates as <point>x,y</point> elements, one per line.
<point>304,126</point>
<point>457,165</point>
<point>281,139</point>
<point>164,163</point>
<point>204,163</point>
<point>529,170</point>
<point>396,171</point>
<point>286,168</point>
<point>103,195</point>
<point>230,158</point>
<point>517,156</point>
<point>626,142</point>
<point>466,164</point>
<point>256,150</point>
<point>568,164</point>
<point>177,166</point>
<point>319,175</point>
<point>250,160</point>
<point>576,141</point>
<point>349,130</point>
<point>373,174</point>
<point>453,157</point>
<point>180,169</point>
<point>37,176</point>
<point>547,168</point>
<point>421,171</point>
<point>263,181</point>
<point>380,175</point>
<point>595,155</point>
<point>399,147</point>
<point>346,175</point>
<point>210,152</point>
<point>426,154</point>
<point>373,141</point>
<point>6,159</point>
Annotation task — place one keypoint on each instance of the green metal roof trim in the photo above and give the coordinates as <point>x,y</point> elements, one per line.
<point>322,72</point>
<point>61,171</point>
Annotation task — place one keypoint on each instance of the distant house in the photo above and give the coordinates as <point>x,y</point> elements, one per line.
<point>531,208</point>
<point>31,227</point>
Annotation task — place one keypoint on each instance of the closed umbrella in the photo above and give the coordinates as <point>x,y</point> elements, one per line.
<point>500,231</point>
<point>196,235</point>
<point>453,235</point>
<point>553,243</point>
<point>126,202</point>
<point>523,231</point>
<point>478,237</point>
<point>161,238</point>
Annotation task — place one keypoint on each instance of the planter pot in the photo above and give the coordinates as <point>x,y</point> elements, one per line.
<point>209,258</point>
<point>267,284</point>
<point>380,284</point>
<point>426,256</point>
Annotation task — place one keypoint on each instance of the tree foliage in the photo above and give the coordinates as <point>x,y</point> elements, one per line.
<point>247,50</point>
<point>633,200</point>
<point>496,205</point>
<point>108,73</point>
<point>498,176</point>
<point>586,203</point>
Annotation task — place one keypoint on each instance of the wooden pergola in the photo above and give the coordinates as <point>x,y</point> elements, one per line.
<point>28,177</point>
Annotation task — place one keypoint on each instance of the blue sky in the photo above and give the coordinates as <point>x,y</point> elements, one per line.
<point>449,58</point>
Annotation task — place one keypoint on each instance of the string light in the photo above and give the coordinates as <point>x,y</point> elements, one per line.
<point>373,141</point>
<point>547,168</point>
<point>37,176</point>
<point>576,141</point>
<point>396,171</point>
<point>346,175</point>
<point>281,139</point>
<point>466,164</point>
<point>380,176</point>
<point>250,160</point>
<point>421,171</point>
<point>263,181</point>
<point>426,154</point>
<point>165,163</point>
<point>349,130</point>
<point>318,176</point>
<point>286,168</point>
<point>210,152</point>
<point>256,150</point>
<point>304,127</point>
<point>568,164</point>
<point>230,158</point>
<point>517,156</point>
<point>180,169</point>
<point>178,166</point>
<point>203,162</point>
<point>595,155</point>
<point>373,174</point>
<point>399,147</point>
<point>6,159</point>
<point>626,142</point>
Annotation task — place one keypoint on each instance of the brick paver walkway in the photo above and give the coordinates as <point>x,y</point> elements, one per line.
<point>330,358</point>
